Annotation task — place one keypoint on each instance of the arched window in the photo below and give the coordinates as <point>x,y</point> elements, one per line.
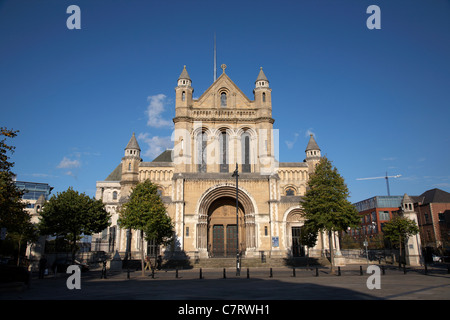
<point>114,195</point>
<point>290,192</point>
<point>264,97</point>
<point>201,152</point>
<point>223,146</point>
<point>245,143</point>
<point>223,99</point>
<point>129,166</point>
<point>183,96</point>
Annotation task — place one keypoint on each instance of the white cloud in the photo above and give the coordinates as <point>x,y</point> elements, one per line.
<point>154,111</point>
<point>67,163</point>
<point>290,144</point>
<point>389,158</point>
<point>156,145</point>
<point>309,132</point>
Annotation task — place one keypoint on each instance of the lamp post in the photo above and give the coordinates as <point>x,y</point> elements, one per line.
<point>372,226</point>
<point>236,174</point>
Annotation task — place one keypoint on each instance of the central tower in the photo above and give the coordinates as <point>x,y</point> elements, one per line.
<point>223,127</point>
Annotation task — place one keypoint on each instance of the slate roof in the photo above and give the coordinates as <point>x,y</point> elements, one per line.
<point>312,144</point>
<point>261,75</point>
<point>133,144</point>
<point>184,74</point>
<point>116,175</point>
<point>166,156</point>
<point>435,196</point>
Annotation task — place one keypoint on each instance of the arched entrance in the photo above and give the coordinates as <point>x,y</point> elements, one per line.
<point>216,227</point>
<point>222,229</point>
<point>294,224</point>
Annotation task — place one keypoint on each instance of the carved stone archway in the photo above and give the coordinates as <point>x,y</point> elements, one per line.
<point>217,207</point>
<point>294,221</point>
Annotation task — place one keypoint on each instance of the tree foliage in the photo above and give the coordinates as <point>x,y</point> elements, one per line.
<point>399,230</point>
<point>12,208</point>
<point>325,203</point>
<point>146,212</point>
<point>70,214</point>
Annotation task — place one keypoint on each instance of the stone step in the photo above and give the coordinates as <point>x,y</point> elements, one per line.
<point>231,262</point>
<point>256,262</point>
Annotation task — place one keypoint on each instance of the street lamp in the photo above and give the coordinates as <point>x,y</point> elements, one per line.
<point>236,174</point>
<point>372,226</point>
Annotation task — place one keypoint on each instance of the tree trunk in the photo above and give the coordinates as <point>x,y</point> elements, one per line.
<point>18,253</point>
<point>330,241</point>
<point>142,253</point>
<point>74,247</point>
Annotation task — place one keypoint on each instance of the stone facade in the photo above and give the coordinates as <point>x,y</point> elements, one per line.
<point>214,135</point>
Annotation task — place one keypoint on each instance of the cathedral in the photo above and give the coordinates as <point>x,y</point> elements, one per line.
<point>222,182</point>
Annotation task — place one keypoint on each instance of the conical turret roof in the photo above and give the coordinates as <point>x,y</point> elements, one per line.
<point>261,75</point>
<point>312,144</point>
<point>133,144</point>
<point>184,74</point>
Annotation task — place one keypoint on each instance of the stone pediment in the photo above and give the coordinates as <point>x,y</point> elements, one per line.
<point>211,98</point>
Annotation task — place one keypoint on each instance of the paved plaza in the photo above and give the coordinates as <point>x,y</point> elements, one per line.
<point>254,284</point>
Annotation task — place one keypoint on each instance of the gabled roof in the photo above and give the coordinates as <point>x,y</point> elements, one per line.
<point>224,81</point>
<point>435,196</point>
<point>312,144</point>
<point>407,199</point>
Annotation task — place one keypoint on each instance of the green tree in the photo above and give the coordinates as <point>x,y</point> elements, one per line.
<point>308,238</point>
<point>70,214</point>
<point>146,213</point>
<point>325,203</point>
<point>12,208</point>
<point>13,216</point>
<point>398,231</point>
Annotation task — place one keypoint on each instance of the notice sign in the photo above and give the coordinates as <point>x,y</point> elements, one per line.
<point>275,242</point>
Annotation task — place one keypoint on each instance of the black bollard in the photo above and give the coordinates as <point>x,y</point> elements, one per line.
<point>293,272</point>
<point>176,273</point>
<point>404,269</point>
<point>382,270</point>
<point>153,273</point>
<point>317,272</point>
<point>224,274</point>
<point>426,269</point>
<point>128,273</point>
<point>201,276</point>
<point>104,270</point>
<point>360,271</point>
<point>271,274</point>
<point>248,273</point>
<point>339,271</point>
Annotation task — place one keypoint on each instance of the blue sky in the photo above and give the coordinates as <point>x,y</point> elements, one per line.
<point>377,101</point>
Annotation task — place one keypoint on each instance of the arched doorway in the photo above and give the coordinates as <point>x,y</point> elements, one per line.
<point>222,230</point>
<point>294,224</point>
<point>216,227</point>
